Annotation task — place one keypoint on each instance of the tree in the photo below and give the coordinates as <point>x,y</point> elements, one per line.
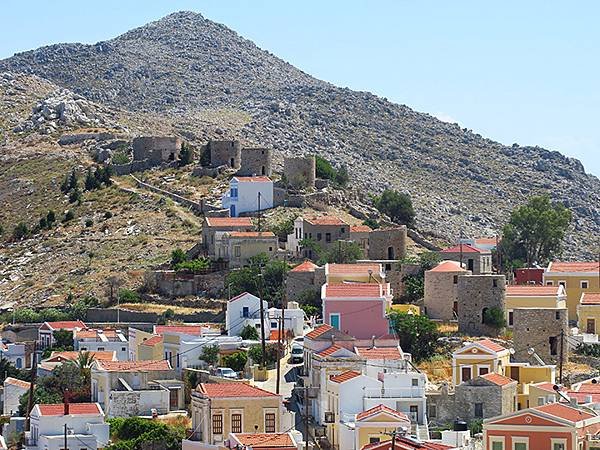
<point>71,182</point>
<point>417,334</point>
<point>136,433</point>
<point>284,228</point>
<point>69,215</point>
<point>186,155</point>
<point>249,333</point>
<point>325,170</point>
<point>371,223</point>
<point>414,284</point>
<point>494,317</point>
<point>263,277</point>
<point>535,232</point>
<point>63,339</point>
<point>255,354</point>
<point>91,182</point>
<point>210,354</point>
<point>21,230</point>
<point>340,252</point>
<point>397,205</point>
<point>177,256</point>
<point>236,361</point>
<point>128,296</point>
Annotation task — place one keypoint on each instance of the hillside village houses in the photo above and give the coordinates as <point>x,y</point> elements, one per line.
<point>248,194</point>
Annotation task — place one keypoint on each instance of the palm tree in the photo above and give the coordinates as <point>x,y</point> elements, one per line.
<point>84,363</point>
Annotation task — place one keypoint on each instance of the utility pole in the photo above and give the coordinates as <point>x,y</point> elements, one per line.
<point>305,418</point>
<point>31,386</point>
<point>262,321</point>
<point>560,370</point>
<point>66,447</point>
<point>259,228</point>
<point>280,340</point>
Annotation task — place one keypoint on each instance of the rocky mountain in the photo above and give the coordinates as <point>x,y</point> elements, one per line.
<point>208,81</point>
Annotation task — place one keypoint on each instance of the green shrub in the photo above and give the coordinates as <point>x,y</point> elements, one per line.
<point>249,333</point>
<point>129,296</point>
<point>69,215</point>
<point>177,257</point>
<point>108,215</point>
<point>120,158</point>
<point>397,205</point>
<point>325,170</point>
<point>50,217</point>
<point>494,317</point>
<point>195,265</point>
<point>20,231</point>
<point>236,361</point>
<point>89,223</point>
<point>417,334</point>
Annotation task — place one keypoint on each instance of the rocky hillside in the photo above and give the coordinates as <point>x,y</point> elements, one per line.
<point>209,81</point>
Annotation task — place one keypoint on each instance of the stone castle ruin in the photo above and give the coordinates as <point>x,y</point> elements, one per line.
<point>157,149</point>
<point>256,161</point>
<point>300,172</point>
<point>478,294</point>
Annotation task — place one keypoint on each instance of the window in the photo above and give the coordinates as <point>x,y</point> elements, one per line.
<point>123,349</point>
<point>553,341</point>
<point>478,410</point>
<point>334,321</point>
<point>237,251</point>
<point>495,283</point>
<point>19,363</point>
<point>562,283</point>
<point>549,283</point>
<point>319,236</point>
<point>470,265</point>
<point>236,423</point>
<point>327,237</point>
<point>342,230</point>
<point>245,312</point>
<point>273,325</point>
<point>497,444</point>
<point>510,318</point>
<point>520,443</point>
<point>482,370</point>
<point>584,284</point>
<point>270,249</point>
<point>541,401</point>
<point>217,423</point>
<point>234,192</point>
<point>269,422</point>
<point>455,279</point>
<point>373,440</point>
<point>465,373</point>
<point>557,315</point>
<point>100,349</point>
<point>432,410</point>
<point>415,382</point>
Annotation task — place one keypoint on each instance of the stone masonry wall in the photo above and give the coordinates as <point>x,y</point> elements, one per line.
<point>298,282</point>
<point>540,328</point>
<point>157,149</point>
<point>300,172</point>
<point>256,161</point>
<point>476,293</point>
<point>441,291</point>
<point>387,243</point>
<point>223,153</point>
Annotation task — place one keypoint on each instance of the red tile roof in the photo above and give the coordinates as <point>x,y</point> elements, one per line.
<point>498,379</point>
<point>306,266</point>
<point>584,397</point>
<point>229,221</point>
<point>590,388</point>
<point>355,290</point>
<point>486,241</point>
<point>133,366</point>
<point>73,355</point>
<point>466,248</point>
<point>255,234</point>
<point>237,297</point>
<point>579,266</point>
<point>391,353</point>
<point>381,409</point>
<point>491,345</point>
<point>232,390</point>
<point>545,386</point>
<point>329,350</point>
<point>87,334</point>
<point>195,330</point>
<point>360,229</point>
<point>319,331</point>
<point>448,266</point>
<point>345,376</point>
<point>265,440</point>
<point>16,382</point>
<point>406,443</point>
<point>590,298</point>
<point>532,291</point>
<point>64,325</point>
<point>564,412</point>
<point>354,268</point>
<point>58,409</point>
<point>325,220</point>
<point>260,179</point>
<point>153,341</point>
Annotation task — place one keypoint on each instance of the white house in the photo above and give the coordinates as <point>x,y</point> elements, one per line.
<point>242,310</point>
<point>248,194</point>
<point>16,354</point>
<point>13,390</point>
<point>293,319</point>
<point>108,340</point>
<point>185,351</point>
<point>47,329</point>
<point>86,427</point>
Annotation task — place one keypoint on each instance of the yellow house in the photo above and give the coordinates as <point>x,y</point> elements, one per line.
<point>526,296</point>
<point>358,273</point>
<point>144,346</point>
<point>588,313</point>
<point>218,409</point>
<point>376,425</point>
<point>576,277</point>
<point>527,375</point>
<point>539,394</point>
<point>478,358</point>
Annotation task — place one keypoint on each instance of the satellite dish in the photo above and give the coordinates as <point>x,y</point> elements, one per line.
<point>530,351</point>
<point>511,351</point>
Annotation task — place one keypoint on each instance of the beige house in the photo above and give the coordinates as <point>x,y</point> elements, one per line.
<point>219,409</point>
<point>213,229</point>
<point>324,231</point>
<point>237,247</point>
<point>136,388</point>
<point>144,346</point>
<point>441,290</point>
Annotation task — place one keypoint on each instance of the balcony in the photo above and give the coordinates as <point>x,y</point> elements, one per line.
<point>403,392</point>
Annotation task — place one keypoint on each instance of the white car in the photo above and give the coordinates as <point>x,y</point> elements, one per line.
<point>226,372</point>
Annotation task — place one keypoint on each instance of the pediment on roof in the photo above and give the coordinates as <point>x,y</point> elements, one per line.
<point>474,349</point>
<point>528,418</point>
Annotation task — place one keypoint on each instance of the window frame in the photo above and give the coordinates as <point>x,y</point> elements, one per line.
<point>520,440</point>
<point>460,372</point>
<point>236,412</point>
<point>270,413</point>
<point>497,440</point>
<point>587,284</point>
<point>339,317</point>
<point>483,366</point>
<point>213,418</point>
<point>554,441</point>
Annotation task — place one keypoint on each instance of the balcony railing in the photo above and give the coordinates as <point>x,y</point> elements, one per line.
<point>406,392</point>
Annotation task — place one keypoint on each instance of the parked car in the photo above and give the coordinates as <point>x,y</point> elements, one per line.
<point>226,372</point>
<point>297,354</point>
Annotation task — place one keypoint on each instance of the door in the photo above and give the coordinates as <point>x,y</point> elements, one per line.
<point>470,265</point>
<point>414,413</point>
<point>334,321</point>
<point>591,326</point>
<point>232,211</point>
<point>173,399</point>
<point>465,373</point>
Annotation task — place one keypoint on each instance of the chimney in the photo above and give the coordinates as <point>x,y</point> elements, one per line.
<point>332,339</point>
<point>373,341</point>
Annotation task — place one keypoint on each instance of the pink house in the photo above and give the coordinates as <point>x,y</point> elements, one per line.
<point>357,309</point>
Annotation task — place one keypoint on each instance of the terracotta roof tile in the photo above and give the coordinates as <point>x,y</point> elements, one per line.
<point>355,290</point>
<point>325,220</point>
<point>497,379</point>
<point>229,221</point>
<point>73,355</point>
<point>590,388</point>
<point>360,229</point>
<point>239,296</point>
<point>329,350</point>
<point>319,331</point>
<point>265,440</point>
<point>491,345</point>
<point>133,366</point>
<point>353,268</point>
<point>75,409</point>
<point>379,409</point>
<point>232,390</point>
<point>590,298</point>
<point>195,330</point>
<point>153,341</point>
<point>584,397</point>
<point>93,333</point>
<point>448,266</point>
<point>389,353</point>
<point>306,266</point>
<point>16,382</point>
<point>407,443</point>
<point>65,325</point>
<point>579,266</point>
<point>532,291</point>
<point>466,248</point>
<point>345,376</point>
<point>545,386</point>
<point>260,179</point>
<point>255,234</point>
<point>564,412</point>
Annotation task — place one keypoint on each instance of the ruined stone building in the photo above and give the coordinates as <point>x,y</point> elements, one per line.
<point>256,161</point>
<point>441,290</point>
<point>539,329</point>
<point>214,228</point>
<point>478,295</point>
<point>300,172</point>
<point>156,149</point>
<point>387,243</point>
<point>225,153</point>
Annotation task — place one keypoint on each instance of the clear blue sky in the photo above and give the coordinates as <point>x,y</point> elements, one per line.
<point>515,71</point>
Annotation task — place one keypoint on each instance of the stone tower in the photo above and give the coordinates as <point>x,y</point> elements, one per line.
<point>256,161</point>
<point>478,294</point>
<point>300,172</point>
<point>225,153</point>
